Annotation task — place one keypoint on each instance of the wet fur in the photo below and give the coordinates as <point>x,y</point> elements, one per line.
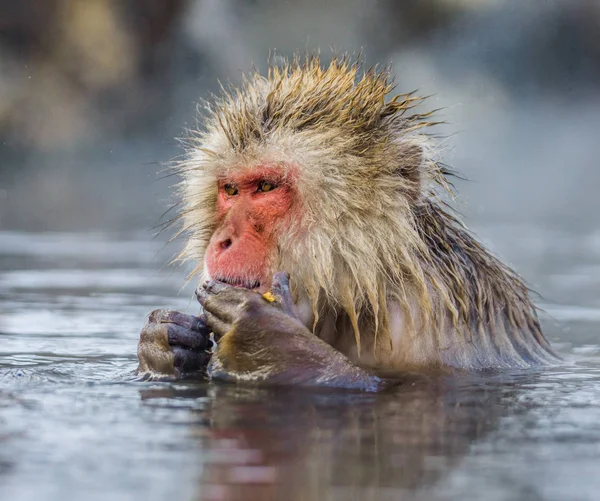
<point>383,263</point>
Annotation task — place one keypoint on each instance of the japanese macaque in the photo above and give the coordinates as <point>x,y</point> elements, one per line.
<point>311,171</point>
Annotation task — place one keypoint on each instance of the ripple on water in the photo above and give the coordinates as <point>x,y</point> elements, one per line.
<point>75,424</point>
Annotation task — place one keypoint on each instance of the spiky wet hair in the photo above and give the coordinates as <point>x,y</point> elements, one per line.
<point>373,231</point>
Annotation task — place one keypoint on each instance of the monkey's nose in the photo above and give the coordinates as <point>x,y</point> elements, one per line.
<point>225,244</point>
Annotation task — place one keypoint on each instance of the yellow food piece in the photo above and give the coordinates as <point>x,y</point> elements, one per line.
<point>269,297</point>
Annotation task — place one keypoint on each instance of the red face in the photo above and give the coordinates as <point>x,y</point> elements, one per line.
<point>252,207</point>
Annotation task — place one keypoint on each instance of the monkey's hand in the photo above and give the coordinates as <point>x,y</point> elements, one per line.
<point>174,344</point>
<point>264,342</point>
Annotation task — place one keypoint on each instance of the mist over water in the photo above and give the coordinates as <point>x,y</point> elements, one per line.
<point>92,98</point>
<point>517,83</point>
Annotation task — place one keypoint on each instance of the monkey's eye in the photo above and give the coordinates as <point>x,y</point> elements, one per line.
<point>230,189</point>
<point>265,186</point>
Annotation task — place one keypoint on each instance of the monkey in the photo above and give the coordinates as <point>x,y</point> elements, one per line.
<point>317,186</point>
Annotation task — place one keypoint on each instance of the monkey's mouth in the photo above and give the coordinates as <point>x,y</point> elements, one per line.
<point>246,283</point>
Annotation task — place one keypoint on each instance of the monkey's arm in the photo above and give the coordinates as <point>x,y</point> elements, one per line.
<point>174,344</point>
<point>265,343</point>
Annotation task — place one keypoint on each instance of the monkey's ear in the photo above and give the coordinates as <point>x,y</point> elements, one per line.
<point>410,160</point>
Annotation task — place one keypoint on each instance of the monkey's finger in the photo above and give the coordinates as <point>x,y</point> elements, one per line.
<point>222,292</point>
<point>155,334</point>
<point>191,322</point>
<point>218,327</point>
<point>188,361</point>
<point>201,295</point>
<point>227,292</point>
<point>281,290</point>
<point>216,287</point>
<point>156,316</point>
<point>228,309</point>
<point>226,304</point>
<point>180,336</point>
<point>209,302</point>
<point>154,353</point>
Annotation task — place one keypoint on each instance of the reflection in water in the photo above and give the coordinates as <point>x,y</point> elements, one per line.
<point>262,444</point>
<point>74,423</point>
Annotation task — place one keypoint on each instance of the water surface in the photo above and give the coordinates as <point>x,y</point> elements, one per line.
<point>74,424</point>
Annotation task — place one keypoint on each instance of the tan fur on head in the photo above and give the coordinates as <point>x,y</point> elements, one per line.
<point>372,233</point>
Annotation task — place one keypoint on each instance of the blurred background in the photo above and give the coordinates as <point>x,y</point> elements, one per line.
<point>93,94</point>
